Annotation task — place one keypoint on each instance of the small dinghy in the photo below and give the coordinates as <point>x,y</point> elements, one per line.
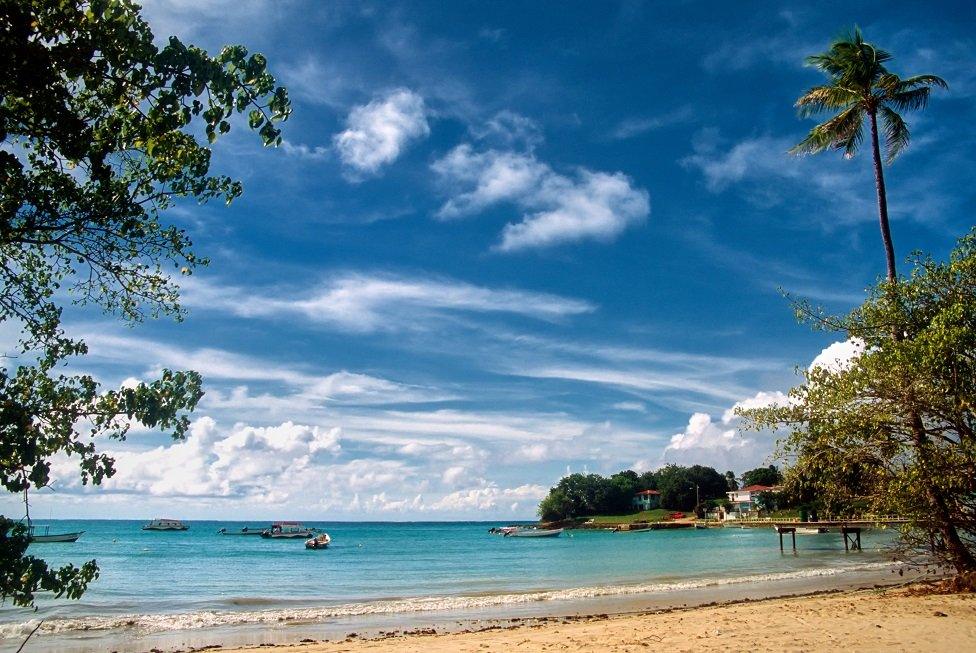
<point>320,541</point>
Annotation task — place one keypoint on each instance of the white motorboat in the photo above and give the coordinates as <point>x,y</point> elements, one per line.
<point>320,541</point>
<point>159,524</point>
<point>803,530</point>
<point>288,530</point>
<point>503,530</point>
<point>48,536</point>
<point>535,532</point>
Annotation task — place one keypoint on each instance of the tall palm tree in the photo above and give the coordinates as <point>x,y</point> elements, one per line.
<point>861,88</point>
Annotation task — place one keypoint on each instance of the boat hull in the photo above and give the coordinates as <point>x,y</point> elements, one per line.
<point>319,542</point>
<point>536,533</point>
<point>58,537</point>
<point>165,528</point>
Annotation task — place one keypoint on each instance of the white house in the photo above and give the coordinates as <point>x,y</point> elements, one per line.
<point>746,499</point>
<point>646,500</point>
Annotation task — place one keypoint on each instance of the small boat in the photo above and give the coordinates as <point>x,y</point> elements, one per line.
<point>812,530</point>
<point>247,530</point>
<point>320,541</point>
<point>287,530</point>
<point>165,525</point>
<point>632,528</point>
<point>535,532</point>
<point>52,537</point>
<point>503,530</point>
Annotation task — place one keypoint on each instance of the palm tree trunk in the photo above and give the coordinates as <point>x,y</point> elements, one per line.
<point>955,549</point>
<point>882,200</point>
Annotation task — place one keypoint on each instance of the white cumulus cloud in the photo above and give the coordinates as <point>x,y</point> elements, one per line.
<point>377,133</point>
<point>245,461</point>
<point>839,355</point>
<point>556,208</point>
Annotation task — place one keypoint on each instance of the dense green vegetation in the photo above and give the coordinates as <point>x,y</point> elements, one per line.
<point>895,430</point>
<point>101,130</point>
<point>581,495</point>
<point>768,476</point>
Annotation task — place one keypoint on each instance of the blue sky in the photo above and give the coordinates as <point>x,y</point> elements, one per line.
<point>506,240</point>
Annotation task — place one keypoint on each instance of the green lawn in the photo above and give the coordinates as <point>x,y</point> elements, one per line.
<point>648,515</point>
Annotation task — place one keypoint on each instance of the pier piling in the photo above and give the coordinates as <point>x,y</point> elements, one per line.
<point>786,529</point>
<point>852,538</point>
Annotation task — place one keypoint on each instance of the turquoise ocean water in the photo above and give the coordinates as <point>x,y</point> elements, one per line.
<point>161,581</point>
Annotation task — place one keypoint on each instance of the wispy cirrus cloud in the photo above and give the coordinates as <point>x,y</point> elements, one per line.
<point>378,132</point>
<point>306,386</point>
<point>639,125</point>
<point>377,302</point>
<point>826,189</point>
<point>508,129</point>
<point>557,208</point>
<point>307,152</point>
<point>645,381</point>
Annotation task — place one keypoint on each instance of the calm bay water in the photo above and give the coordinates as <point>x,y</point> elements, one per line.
<point>176,580</point>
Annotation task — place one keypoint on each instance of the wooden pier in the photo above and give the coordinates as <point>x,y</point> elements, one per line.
<point>851,535</point>
<point>832,524</point>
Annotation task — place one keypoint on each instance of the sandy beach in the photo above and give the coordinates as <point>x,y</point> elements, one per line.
<point>868,620</point>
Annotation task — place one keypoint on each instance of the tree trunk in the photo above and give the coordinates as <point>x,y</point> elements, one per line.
<point>956,550</point>
<point>882,200</point>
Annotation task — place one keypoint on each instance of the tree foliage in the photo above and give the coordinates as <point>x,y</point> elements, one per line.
<point>768,476</point>
<point>102,129</point>
<point>578,495</point>
<point>730,480</point>
<point>861,87</point>
<point>678,485</point>
<point>895,429</point>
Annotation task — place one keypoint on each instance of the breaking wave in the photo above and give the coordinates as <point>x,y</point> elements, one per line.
<point>154,623</point>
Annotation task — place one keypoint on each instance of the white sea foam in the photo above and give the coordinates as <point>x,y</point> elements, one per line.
<point>153,623</point>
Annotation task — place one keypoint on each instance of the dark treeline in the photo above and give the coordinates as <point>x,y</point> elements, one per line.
<point>580,495</point>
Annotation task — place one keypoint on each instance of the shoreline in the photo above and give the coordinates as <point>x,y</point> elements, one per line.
<point>889,618</point>
<point>291,631</point>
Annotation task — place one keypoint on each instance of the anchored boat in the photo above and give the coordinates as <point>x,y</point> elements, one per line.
<point>287,530</point>
<point>165,525</point>
<point>247,530</point>
<point>320,541</point>
<point>534,532</point>
<point>48,536</point>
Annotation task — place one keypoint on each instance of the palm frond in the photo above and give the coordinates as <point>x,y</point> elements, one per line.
<point>843,131</point>
<point>824,98</point>
<point>909,100</point>
<point>859,83</point>
<point>848,126</point>
<point>815,142</point>
<point>908,94</point>
<point>895,131</point>
<point>925,80</point>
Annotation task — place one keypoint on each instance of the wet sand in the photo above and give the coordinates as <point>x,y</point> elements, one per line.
<point>894,619</point>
